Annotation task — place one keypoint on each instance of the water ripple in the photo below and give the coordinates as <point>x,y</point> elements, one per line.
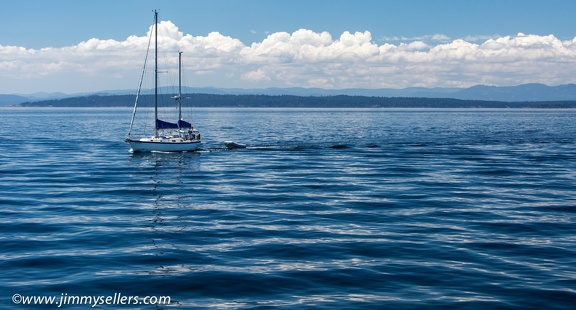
<point>425,209</point>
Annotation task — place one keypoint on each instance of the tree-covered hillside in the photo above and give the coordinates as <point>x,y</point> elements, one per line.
<point>289,101</point>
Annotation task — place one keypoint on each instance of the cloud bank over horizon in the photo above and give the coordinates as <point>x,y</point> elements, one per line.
<point>303,58</point>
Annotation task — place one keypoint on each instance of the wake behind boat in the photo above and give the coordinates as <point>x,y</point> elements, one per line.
<point>179,136</point>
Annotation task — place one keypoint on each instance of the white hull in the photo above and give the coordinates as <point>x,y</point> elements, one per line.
<point>147,145</point>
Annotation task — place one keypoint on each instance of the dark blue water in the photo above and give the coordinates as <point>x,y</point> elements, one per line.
<point>327,209</point>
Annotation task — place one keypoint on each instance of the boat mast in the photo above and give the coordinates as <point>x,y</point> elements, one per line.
<point>156,72</point>
<point>179,87</point>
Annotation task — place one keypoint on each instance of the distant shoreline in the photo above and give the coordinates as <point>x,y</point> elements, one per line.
<point>293,101</point>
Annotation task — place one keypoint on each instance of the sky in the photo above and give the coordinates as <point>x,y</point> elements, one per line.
<point>75,46</point>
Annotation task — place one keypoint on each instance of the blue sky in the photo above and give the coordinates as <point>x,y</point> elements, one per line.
<point>405,34</point>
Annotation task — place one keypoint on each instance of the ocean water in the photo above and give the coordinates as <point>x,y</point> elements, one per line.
<point>326,209</point>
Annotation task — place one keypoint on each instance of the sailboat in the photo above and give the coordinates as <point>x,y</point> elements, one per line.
<point>179,136</point>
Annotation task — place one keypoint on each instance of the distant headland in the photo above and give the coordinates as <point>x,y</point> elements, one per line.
<point>291,101</point>
<point>481,96</point>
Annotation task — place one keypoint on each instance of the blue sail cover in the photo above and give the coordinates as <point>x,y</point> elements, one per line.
<point>184,124</point>
<point>160,124</point>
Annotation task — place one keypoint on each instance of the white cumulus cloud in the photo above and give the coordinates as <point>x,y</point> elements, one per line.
<point>303,58</point>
